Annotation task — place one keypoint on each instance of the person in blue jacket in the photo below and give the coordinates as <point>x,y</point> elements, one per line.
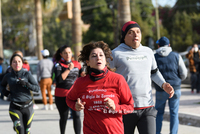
<point>3,68</point>
<point>173,69</point>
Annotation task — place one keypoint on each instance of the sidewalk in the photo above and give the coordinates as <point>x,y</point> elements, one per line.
<point>189,109</point>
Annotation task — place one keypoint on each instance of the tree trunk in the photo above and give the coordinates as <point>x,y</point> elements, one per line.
<point>1,37</point>
<point>39,35</point>
<point>76,28</point>
<point>125,12</point>
<point>157,21</point>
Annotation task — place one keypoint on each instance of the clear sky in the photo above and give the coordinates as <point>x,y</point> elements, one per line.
<point>164,2</point>
<point>160,2</point>
<point>66,0</point>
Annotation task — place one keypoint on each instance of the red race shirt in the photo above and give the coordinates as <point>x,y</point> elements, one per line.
<point>63,86</point>
<point>98,118</point>
<point>26,66</point>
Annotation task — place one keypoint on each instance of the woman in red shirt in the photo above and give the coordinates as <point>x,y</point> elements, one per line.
<point>104,95</point>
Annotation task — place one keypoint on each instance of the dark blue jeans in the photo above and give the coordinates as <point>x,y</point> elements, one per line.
<point>1,93</point>
<point>161,98</point>
<point>195,82</point>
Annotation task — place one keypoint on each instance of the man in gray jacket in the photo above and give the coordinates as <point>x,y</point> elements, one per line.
<point>173,69</point>
<point>44,71</point>
<point>138,66</point>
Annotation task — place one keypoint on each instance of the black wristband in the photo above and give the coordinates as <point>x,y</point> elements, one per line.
<point>68,69</point>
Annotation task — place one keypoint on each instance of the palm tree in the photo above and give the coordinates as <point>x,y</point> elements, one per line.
<point>38,16</point>
<point>1,38</point>
<point>76,27</point>
<point>39,35</point>
<point>125,12</point>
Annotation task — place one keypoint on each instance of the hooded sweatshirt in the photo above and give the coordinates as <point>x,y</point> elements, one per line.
<point>136,66</point>
<point>171,66</point>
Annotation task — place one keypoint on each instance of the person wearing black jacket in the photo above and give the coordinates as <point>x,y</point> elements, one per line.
<point>20,83</point>
<point>194,66</point>
<point>3,68</point>
<point>66,72</point>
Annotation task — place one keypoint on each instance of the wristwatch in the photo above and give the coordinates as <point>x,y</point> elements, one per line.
<point>68,69</point>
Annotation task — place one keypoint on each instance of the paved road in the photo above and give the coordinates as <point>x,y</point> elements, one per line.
<point>47,122</point>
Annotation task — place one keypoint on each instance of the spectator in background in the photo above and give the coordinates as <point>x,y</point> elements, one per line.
<point>173,69</point>
<point>3,68</point>
<point>138,66</point>
<point>44,72</point>
<point>194,66</point>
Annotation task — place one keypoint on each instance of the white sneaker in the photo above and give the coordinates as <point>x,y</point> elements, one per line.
<point>45,107</point>
<point>35,106</point>
<point>51,107</point>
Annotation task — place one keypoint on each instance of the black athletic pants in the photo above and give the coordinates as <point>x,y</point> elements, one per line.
<point>63,110</point>
<point>144,119</point>
<point>22,116</point>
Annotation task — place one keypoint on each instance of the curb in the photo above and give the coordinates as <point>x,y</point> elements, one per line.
<point>185,119</point>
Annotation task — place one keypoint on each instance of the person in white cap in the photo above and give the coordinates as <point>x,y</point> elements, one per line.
<point>44,71</point>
